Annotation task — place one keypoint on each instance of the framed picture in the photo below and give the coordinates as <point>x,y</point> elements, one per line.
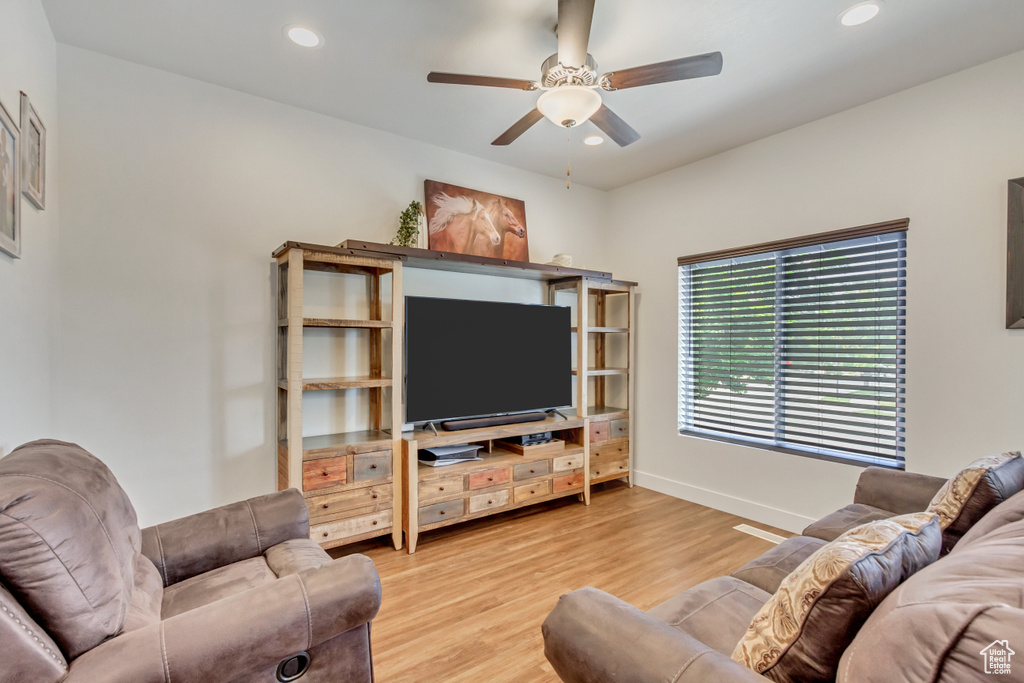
<point>10,187</point>
<point>1015,255</point>
<point>472,222</point>
<point>33,154</point>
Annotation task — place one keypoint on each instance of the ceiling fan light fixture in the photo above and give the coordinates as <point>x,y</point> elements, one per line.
<point>302,36</point>
<point>569,105</point>
<point>859,14</point>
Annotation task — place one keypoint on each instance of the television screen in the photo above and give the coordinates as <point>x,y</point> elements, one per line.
<point>474,358</point>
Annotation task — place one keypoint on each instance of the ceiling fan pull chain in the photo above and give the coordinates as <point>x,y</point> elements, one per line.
<point>568,150</point>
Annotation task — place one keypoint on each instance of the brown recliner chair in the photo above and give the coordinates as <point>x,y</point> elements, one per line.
<point>236,594</point>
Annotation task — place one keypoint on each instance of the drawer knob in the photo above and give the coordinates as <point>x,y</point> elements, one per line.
<point>532,472</point>
<point>440,488</point>
<point>326,506</point>
<point>374,496</point>
<point>490,478</point>
<point>325,473</point>
<point>489,502</point>
<point>375,522</point>
<point>326,534</point>
<point>442,512</point>
<point>373,467</point>
<point>532,491</point>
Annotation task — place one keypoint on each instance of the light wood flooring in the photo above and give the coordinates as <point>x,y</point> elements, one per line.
<point>468,605</point>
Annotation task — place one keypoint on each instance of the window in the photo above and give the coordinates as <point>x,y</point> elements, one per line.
<point>798,345</point>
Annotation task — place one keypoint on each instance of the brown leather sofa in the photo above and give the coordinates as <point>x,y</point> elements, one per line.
<point>236,594</point>
<point>932,628</point>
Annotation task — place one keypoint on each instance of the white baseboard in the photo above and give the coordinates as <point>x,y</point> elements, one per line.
<point>782,519</point>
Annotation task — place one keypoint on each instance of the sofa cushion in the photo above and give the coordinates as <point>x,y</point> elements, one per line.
<point>214,585</point>
<point>973,491</point>
<point>801,632</point>
<point>147,595</point>
<point>715,612</point>
<point>831,527</point>
<point>296,555</point>
<point>767,571</point>
<point>934,627</point>
<point>68,541</point>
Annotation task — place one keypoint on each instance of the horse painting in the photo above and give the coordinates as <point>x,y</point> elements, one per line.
<point>473,222</point>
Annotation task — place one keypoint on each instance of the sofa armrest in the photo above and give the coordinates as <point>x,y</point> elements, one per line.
<point>593,637</point>
<point>895,490</point>
<point>193,545</point>
<point>244,636</point>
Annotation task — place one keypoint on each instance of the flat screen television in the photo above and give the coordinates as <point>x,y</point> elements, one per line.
<point>482,358</point>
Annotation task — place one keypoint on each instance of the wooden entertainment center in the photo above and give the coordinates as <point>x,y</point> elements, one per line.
<point>369,482</point>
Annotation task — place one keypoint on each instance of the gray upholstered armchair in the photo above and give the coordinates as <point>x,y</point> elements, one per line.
<point>239,593</point>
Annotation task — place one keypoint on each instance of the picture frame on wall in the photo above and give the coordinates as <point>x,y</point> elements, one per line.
<point>474,222</point>
<point>10,185</point>
<point>33,154</point>
<point>1015,255</point>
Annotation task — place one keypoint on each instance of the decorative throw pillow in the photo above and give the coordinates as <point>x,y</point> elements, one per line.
<point>976,489</point>
<point>802,631</point>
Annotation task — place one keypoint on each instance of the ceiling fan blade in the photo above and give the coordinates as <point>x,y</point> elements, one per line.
<point>574,18</point>
<point>698,66</point>
<point>614,127</point>
<point>492,81</point>
<point>518,128</point>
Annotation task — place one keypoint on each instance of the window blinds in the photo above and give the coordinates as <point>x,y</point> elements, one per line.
<point>799,349</point>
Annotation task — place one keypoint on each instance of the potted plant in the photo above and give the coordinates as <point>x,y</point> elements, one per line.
<point>408,226</point>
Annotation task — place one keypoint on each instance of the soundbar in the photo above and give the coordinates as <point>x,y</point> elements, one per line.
<point>478,422</point>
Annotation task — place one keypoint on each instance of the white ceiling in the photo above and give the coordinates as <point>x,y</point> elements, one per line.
<point>787,62</point>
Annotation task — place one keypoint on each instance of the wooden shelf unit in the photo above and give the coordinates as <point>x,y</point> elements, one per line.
<point>351,481</point>
<point>503,480</point>
<point>610,427</point>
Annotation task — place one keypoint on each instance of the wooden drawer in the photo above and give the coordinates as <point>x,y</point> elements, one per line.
<point>598,431</point>
<point>367,466</point>
<point>530,470</point>
<point>620,429</point>
<point>441,487</point>
<point>571,481</point>
<point>347,528</point>
<point>602,469</point>
<point>535,490</point>
<point>488,501</point>
<point>567,462</point>
<point>325,472</point>
<point>488,478</point>
<point>614,450</point>
<point>333,503</point>
<point>439,512</point>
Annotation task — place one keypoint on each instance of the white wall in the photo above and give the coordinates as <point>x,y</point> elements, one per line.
<point>940,153</point>
<point>28,286</point>
<point>177,192</point>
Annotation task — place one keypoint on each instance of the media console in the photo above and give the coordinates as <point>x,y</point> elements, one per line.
<point>366,481</point>
<point>435,497</point>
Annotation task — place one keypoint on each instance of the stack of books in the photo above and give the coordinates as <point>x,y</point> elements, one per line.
<point>448,455</point>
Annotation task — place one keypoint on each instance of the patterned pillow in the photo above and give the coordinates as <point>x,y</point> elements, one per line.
<point>802,631</point>
<point>976,489</point>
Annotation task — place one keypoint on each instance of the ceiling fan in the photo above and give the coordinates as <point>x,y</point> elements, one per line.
<point>569,80</point>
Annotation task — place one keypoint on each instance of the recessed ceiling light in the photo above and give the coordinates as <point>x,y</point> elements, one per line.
<point>859,13</point>
<point>593,140</point>
<point>300,35</point>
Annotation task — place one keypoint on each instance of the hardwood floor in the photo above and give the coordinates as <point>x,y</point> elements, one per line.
<point>468,605</point>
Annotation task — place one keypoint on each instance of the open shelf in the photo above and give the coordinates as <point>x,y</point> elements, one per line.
<point>498,457</point>
<point>601,372</point>
<point>351,382</point>
<point>345,443</point>
<point>610,412</point>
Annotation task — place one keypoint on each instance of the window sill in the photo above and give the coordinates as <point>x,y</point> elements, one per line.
<point>855,461</point>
